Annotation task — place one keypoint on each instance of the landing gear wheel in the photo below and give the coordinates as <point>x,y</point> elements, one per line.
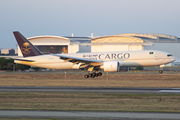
<point>96,75</point>
<point>86,76</point>
<point>90,75</point>
<point>160,72</point>
<point>99,74</point>
<point>93,75</point>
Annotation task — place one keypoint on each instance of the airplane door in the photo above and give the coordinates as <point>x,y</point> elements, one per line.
<point>157,56</point>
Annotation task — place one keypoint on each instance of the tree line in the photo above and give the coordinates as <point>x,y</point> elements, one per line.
<point>8,64</point>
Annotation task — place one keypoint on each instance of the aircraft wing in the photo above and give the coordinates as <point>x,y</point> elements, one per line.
<point>76,60</point>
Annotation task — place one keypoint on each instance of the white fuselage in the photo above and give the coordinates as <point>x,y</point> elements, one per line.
<point>125,58</point>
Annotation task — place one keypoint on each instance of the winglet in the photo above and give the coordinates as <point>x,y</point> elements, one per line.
<point>25,46</point>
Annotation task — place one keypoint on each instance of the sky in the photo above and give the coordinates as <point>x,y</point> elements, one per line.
<point>83,17</point>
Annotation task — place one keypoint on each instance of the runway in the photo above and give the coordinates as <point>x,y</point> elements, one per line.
<point>86,115</point>
<point>89,89</point>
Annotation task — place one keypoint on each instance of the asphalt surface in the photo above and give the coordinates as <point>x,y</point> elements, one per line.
<point>85,115</point>
<point>88,89</point>
<point>88,114</point>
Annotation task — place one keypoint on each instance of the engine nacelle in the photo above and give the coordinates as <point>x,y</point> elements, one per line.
<point>111,66</point>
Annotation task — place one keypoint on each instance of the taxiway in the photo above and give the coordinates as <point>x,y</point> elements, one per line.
<point>88,89</point>
<point>86,115</point>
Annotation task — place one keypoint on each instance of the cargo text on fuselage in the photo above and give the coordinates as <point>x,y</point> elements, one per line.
<point>111,56</point>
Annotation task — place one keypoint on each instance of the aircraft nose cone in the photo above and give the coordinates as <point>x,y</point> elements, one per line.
<point>173,59</point>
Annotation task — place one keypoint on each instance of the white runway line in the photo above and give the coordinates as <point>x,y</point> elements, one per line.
<point>169,91</point>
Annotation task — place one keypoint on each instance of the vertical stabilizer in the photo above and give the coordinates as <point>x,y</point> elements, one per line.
<point>25,46</point>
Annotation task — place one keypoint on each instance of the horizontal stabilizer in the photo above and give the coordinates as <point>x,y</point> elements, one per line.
<point>24,60</point>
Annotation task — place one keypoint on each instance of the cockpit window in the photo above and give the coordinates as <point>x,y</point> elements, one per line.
<point>169,55</point>
<point>151,53</point>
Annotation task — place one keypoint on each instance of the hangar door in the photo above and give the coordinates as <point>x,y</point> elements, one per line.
<point>53,49</point>
<point>135,47</point>
<point>115,47</point>
<point>116,43</point>
<point>108,48</point>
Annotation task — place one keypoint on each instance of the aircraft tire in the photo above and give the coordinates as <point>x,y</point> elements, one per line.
<point>90,75</point>
<point>160,72</point>
<point>93,75</point>
<point>86,76</point>
<point>96,75</point>
<point>100,73</point>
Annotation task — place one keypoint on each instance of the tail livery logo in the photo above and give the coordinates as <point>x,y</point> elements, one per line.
<point>26,48</point>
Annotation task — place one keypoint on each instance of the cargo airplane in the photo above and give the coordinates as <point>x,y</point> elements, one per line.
<point>92,62</point>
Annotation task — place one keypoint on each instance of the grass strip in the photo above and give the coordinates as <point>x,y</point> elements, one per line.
<point>90,101</point>
<point>77,80</point>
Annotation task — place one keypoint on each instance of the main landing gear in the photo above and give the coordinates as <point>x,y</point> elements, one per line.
<point>94,74</point>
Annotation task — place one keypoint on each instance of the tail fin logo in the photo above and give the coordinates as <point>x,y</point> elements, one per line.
<point>25,48</point>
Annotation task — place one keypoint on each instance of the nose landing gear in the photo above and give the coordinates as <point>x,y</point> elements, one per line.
<point>161,69</point>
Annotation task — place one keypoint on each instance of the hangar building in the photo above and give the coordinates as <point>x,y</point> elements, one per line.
<point>162,42</point>
<point>119,42</point>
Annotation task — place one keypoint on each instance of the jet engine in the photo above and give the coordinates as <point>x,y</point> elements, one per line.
<point>111,66</point>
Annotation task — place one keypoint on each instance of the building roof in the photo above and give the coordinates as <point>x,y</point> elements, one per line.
<point>148,35</point>
<point>117,39</point>
<point>163,35</point>
<point>48,36</point>
<point>138,35</point>
<point>125,38</point>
